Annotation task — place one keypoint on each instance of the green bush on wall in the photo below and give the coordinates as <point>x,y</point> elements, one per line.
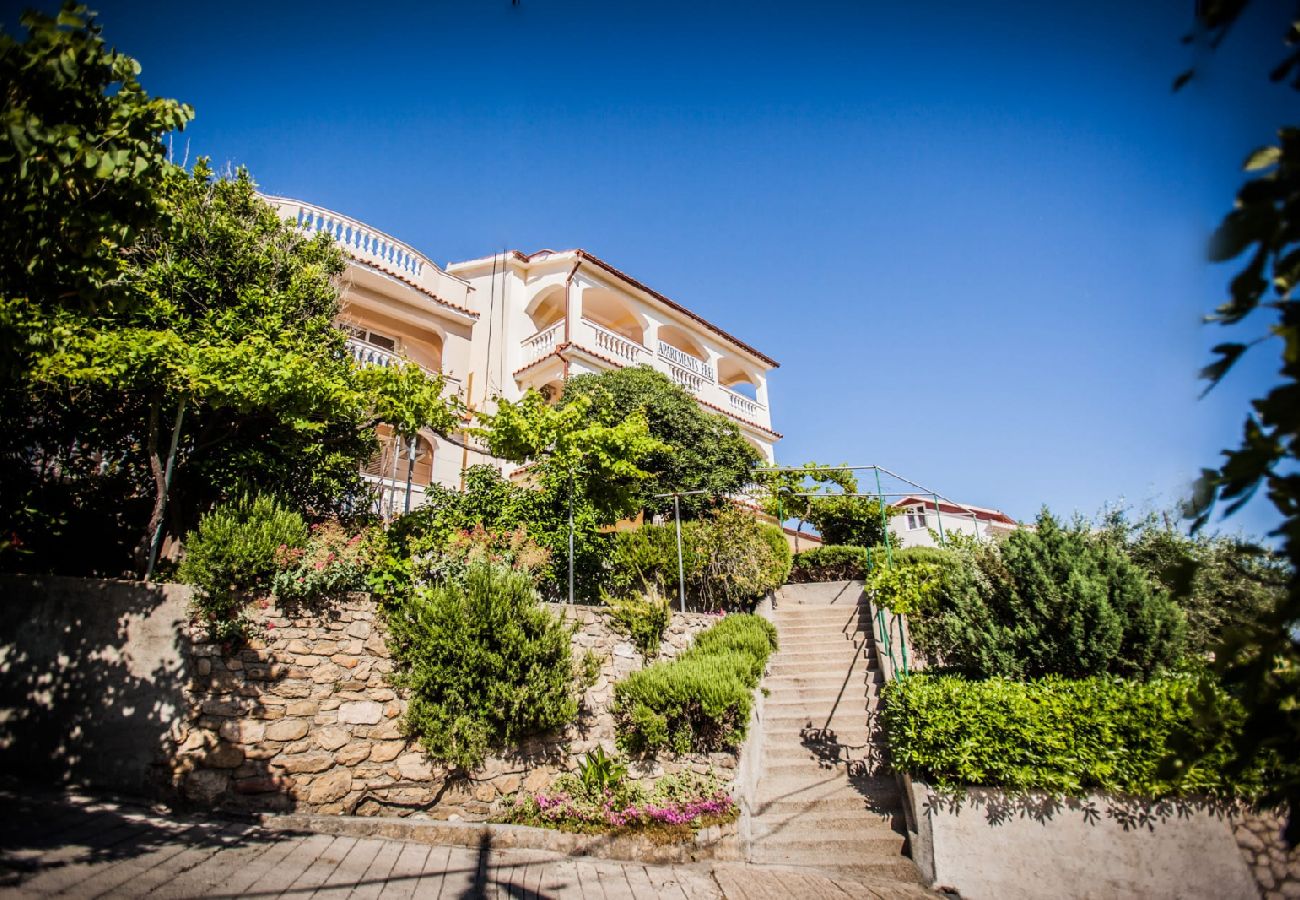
<point>644,620</point>
<point>728,560</point>
<point>830,563</point>
<point>232,556</point>
<point>1057,735</point>
<point>701,700</point>
<point>486,664</point>
<point>1060,599</point>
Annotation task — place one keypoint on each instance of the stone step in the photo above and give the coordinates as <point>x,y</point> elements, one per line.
<point>835,803</point>
<point>828,846</point>
<point>801,614</point>
<point>819,662</point>
<point>812,819</point>
<point>780,711</point>
<point>826,756</point>
<point>896,878</point>
<point>807,784</point>
<point>792,710</point>
<point>823,700</point>
<point>780,754</point>
<point>861,672</point>
<point>859,677</point>
<point>837,655</point>
<point>859,680</point>
<point>823,632</point>
<point>844,735</point>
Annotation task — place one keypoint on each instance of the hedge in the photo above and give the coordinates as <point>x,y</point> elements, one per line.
<point>701,700</point>
<point>1060,736</point>
<point>830,563</point>
<point>729,560</point>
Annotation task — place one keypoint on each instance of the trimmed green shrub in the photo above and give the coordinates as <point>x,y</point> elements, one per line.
<point>644,620</point>
<point>644,560</point>
<point>729,560</point>
<point>782,555</point>
<point>737,562</point>
<point>486,664</point>
<point>912,583</point>
<point>701,700</point>
<point>234,554</point>
<point>830,563</point>
<point>1060,736</point>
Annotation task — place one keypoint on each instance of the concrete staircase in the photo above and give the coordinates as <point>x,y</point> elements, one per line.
<point>825,799</point>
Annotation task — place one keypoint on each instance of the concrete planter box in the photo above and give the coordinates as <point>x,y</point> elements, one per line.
<point>990,844</point>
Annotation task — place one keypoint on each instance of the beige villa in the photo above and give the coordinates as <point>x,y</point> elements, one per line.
<point>499,325</point>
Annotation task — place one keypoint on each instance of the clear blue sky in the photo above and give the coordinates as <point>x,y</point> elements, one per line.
<point>971,233</point>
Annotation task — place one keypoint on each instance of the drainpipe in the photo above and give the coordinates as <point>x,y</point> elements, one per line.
<point>568,311</point>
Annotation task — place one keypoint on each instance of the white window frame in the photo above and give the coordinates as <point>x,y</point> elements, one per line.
<point>916,518</point>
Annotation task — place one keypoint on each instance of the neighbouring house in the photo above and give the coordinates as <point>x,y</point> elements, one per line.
<point>499,325</point>
<point>918,521</point>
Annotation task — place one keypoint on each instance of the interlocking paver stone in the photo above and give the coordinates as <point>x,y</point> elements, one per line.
<point>129,851</point>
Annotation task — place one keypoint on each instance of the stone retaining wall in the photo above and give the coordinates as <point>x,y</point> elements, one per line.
<point>304,718</point>
<point>1274,866</point>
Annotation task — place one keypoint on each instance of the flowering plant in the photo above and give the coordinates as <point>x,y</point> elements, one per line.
<point>681,803</point>
<point>334,562</point>
<point>514,549</point>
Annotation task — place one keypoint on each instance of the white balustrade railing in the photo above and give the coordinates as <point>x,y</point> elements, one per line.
<point>687,379</point>
<point>622,349</point>
<point>543,342</point>
<point>360,240</point>
<point>685,361</point>
<point>368,354</point>
<point>742,404</point>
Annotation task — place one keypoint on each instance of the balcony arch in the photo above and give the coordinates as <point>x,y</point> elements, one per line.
<point>682,340</point>
<point>552,391</point>
<point>735,377</point>
<point>611,312</point>
<point>547,308</point>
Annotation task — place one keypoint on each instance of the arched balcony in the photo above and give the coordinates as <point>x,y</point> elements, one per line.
<point>741,389</point>
<point>686,358</point>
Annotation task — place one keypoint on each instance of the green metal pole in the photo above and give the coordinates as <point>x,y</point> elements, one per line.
<point>570,538</point>
<point>884,519</point>
<point>938,515</point>
<point>681,570</point>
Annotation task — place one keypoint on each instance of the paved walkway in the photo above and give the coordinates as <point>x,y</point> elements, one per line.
<point>71,845</point>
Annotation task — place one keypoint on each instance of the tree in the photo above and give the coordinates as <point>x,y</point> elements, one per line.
<point>788,494</point>
<point>1223,583</point>
<point>579,471</point>
<point>1054,600</point>
<point>848,521</point>
<point>700,451</point>
<point>81,164</point>
<point>231,338</point>
<point>1260,663</point>
<point>168,340</point>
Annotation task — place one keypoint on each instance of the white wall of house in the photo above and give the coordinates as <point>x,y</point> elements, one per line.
<point>497,326</point>
<point>918,524</point>
<point>556,315</point>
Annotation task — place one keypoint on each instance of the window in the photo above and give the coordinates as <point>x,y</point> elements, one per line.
<point>916,517</point>
<point>371,337</point>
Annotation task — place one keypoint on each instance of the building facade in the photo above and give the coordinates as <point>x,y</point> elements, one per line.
<point>920,520</point>
<point>500,325</point>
